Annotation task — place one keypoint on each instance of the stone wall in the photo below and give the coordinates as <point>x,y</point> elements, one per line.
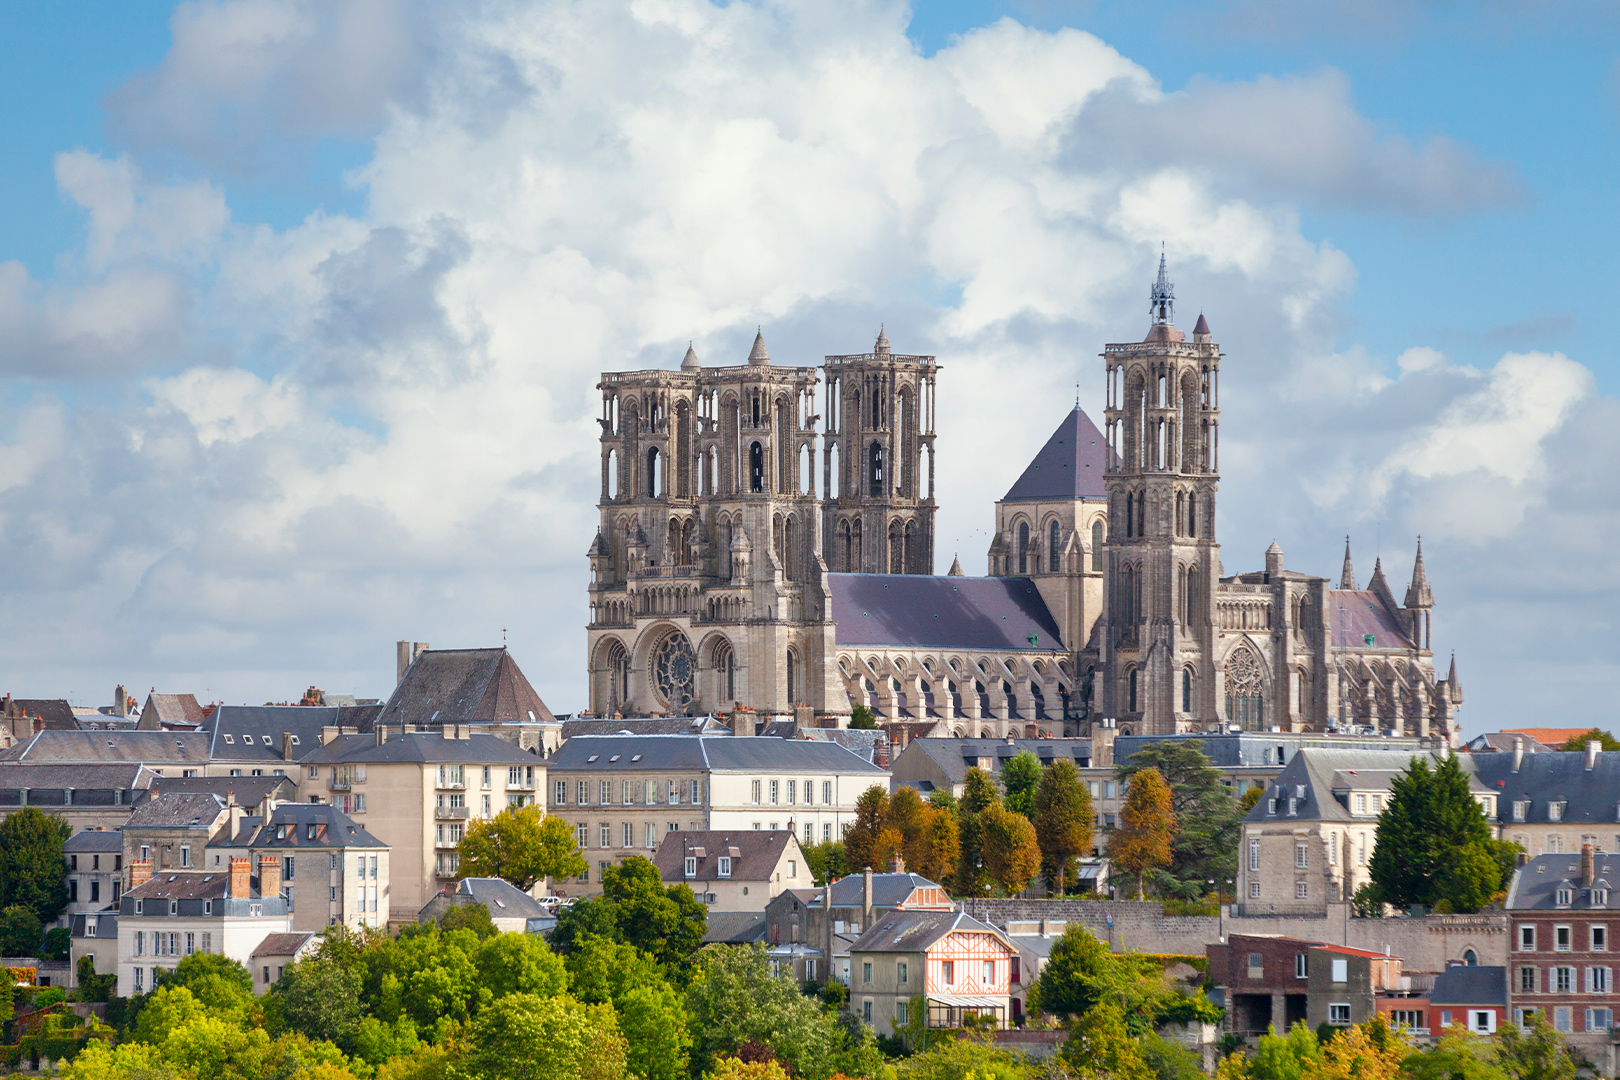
<point>1423,944</point>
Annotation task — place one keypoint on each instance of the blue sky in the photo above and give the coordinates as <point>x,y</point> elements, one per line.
<point>314,292</point>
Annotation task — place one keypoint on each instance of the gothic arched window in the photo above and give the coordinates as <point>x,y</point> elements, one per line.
<point>1192,515</point>
<point>1023,547</point>
<point>756,467</point>
<point>1099,537</point>
<point>1054,560</point>
<point>674,671</point>
<point>1245,690</point>
<point>792,677</point>
<point>725,672</point>
<point>1186,689</point>
<point>655,479</point>
<point>875,469</point>
<point>1130,513</point>
<point>1130,680</point>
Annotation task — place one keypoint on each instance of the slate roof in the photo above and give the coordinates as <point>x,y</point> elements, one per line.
<point>1237,749</point>
<point>464,686</point>
<point>180,810</point>
<point>183,885</point>
<point>87,747</point>
<point>1535,884</point>
<point>670,725</point>
<point>1502,741</point>
<point>249,790</point>
<point>1554,776</point>
<point>289,824</point>
<point>124,775</point>
<point>1552,738</point>
<point>923,611</point>
<point>952,756</point>
<point>283,944</point>
<point>888,890</point>
<point>94,840</point>
<point>757,853</point>
<point>172,709</point>
<point>55,712</point>
<point>422,748</point>
<point>915,931</point>
<point>1463,985</point>
<point>723,753</point>
<point>1069,466</point>
<point>503,899</point>
<point>1318,770</point>
<point>735,927</point>
<point>1363,614</point>
<point>256,732</point>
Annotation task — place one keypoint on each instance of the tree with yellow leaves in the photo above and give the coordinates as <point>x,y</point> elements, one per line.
<point>1147,826</point>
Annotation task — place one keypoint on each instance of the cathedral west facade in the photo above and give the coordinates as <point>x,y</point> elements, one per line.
<point>727,580</point>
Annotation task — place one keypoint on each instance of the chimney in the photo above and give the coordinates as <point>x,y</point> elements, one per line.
<point>402,660</point>
<point>241,878</point>
<point>381,731</point>
<point>329,733</point>
<point>140,872</point>
<point>286,746</point>
<point>1592,748</point>
<point>269,875</point>
<point>742,722</point>
<point>897,865</point>
<point>1518,752</point>
<point>1588,867</point>
<point>120,699</point>
<point>233,817</point>
<point>1011,739</point>
<point>1521,858</point>
<point>866,900</point>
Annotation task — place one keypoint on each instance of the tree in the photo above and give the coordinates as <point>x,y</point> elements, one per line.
<point>1433,843</point>
<point>1019,778</point>
<point>666,923</point>
<point>944,849</point>
<point>1010,851</point>
<point>320,997</point>
<point>966,1058</point>
<point>222,985</point>
<point>33,868</point>
<point>526,1037</point>
<point>733,998</point>
<point>593,915</point>
<point>1538,1054</point>
<point>1249,800</point>
<point>826,861</point>
<point>862,718</point>
<point>520,964</point>
<point>1578,742</point>
<point>20,931</point>
<point>1458,1056</point>
<point>474,917</point>
<point>600,969</point>
<point>658,1042</point>
<point>1208,819</point>
<point>1063,818</point>
<point>1142,841</point>
<point>861,839</point>
<point>522,846</point>
<point>1100,1048</point>
<point>979,793</point>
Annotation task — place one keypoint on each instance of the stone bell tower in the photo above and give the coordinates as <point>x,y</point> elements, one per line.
<point>1163,419</point>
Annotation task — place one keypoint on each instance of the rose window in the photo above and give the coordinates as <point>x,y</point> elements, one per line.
<point>674,671</point>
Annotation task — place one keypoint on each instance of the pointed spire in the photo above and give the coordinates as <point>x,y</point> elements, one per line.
<point>882,346</point>
<point>1377,580</point>
<point>1202,325</point>
<point>1162,298</point>
<point>757,356</point>
<point>956,568</point>
<point>1453,687</point>
<point>1347,576</point>
<point>1418,594</point>
<point>690,361</point>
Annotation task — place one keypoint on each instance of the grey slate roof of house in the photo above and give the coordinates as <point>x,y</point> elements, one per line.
<point>956,756</point>
<point>1236,749</point>
<point>289,827</point>
<point>286,944</point>
<point>1535,884</point>
<point>124,775</point>
<point>1069,466</point>
<point>926,612</point>
<point>754,853</point>
<point>503,899</point>
<point>95,747</point>
<point>1462,985</point>
<point>915,931</point>
<point>887,889</point>
<point>1312,775</point>
<point>1589,797</point>
<point>429,747</point>
<point>55,712</point>
<point>668,725</point>
<point>87,841</point>
<point>249,790</point>
<point>735,927</point>
<point>464,686</point>
<point>256,732</point>
<point>726,753</point>
<point>184,810</point>
<point>182,885</point>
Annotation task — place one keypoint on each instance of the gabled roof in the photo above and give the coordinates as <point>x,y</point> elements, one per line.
<point>290,824</point>
<point>922,611</point>
<point>183,810</point>
<point>1463,985</point>
<point>171,709</point>
<point>183,885</point>
<point>56,713</point>
<point>735,927</point>
<point>888,890</point>
<point>287,944</point>
<point>1535,884</point>
<point>87,747</point>
<point>1353,614</point>
<point>725,753</point>
<point>1069,466</point>
<point>1589,796</point>
<point>1318,771</point>
<point>1550,737</point>
<point>955,757</point>
<point>94,840</point>
<point>464,686</point>
<point>755,854</point>
<point>420,747</point>
<point>915,931</point>
<point>256,732</point>
<point>503,899</point>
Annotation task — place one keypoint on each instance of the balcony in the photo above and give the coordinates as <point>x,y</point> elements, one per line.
<point>451,813</point>
<point>451,784</point>
<point>339,783</point>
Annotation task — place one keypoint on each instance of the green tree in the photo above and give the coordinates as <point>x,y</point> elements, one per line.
<point>979,793</point>
<point>1063,820</point>
<point>862,718</point>
<point>20,931</point>
<point>733,998</point>
<point>1433,843</point>
<point>520,964</point>
<point>826,861</point>
<point>319,997</point>
<point>1100,1047</point>
<point>968,1058</point>
<point>944,851</point>
<point>591,916</point>
<point>862,839</point>
<point>526,1037</point>
<point>521,845</point>
<point>666,923</point>
<point>655,1029</point>
<point>1208,819</point>
<point>33,868</point>
<point>1080,974</point>
<point>474,917</point>
<point>1020,776</point>
<point>1537,1054</point>
<point>1458,1056</point>
<point>601,969</point>
<point>1141,843</point>
<point>1578,742</point>
<point>223,986</point>
<point>1249,800</point>
<point>1010,852</point>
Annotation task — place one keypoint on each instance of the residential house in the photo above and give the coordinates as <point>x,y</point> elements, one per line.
<point>740,870</point>
<point>276,953</point>
<point>624,792</point>
<point>93,934</point>
<point>483,688</point>
<point>268,740</point>
<point>165,753</point>
<point>168,916</point>
<point>95,870</point>
<point>416,792</point>
<point>511,910</point>
<point>173,832</point>
<point>246,790</point>
<point>171,712</point>
<point>829,919</point>
<point>1472,997</point>
<point>1554,803</point>
<point>1560,910</point>
<point>1032,941</point>
<point>96,796</point>
<point>955,964</point>
<point>333,872</point>
<point>1277,982</point>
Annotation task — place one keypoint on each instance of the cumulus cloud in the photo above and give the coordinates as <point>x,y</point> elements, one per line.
<point>380,426</point>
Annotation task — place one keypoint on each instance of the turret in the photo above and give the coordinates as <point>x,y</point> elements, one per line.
<point>1419,601</point>
<point>1347,576</point>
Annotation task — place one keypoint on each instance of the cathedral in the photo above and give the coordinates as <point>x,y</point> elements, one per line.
<point>766,554</point>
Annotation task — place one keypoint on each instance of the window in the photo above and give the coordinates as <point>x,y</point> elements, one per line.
<point>866,1006</point>
<point>1254,855</point>
<point>826,793</point>
<point>191,944</point>
<point>989,975</point>
<point>1527,939</point>
<point>947,972</point>
<point>754,790</point>
<point>809,833</point>
<point>1599,1019</point>
<point>1482,1021</point>
<point>137,977</point>
<point>140,948</point>
<point>674,792</point>
<point>866,973</point>
<point>1527,980</point>
<point>1299,965</point>
<point>562,792</point>
<point>652,835</point>
<point>809,792</point>
<point>208,941</point>
<point>1361,850</point>
<point>1561,938</point>
<point>791,786</point>
<point>1600,939</point>
<point>1565,896</point>
<point>724,869</point>
<point>1361,804</point>
<point>1300,856</point>
<point>1257,966</point>
<point>1339,1013</point>
<point>1254,890</point>
<point>775,785</point>
<point>695,799</point>
<point>691,866</point>
<point>185,855</point>
<point>174,907</point>
<point>650,792</point>
<point>629,834</point>
<point>604,791</point>
<point>485,779</point>
<point>1340,969</point>
<point>1555,812</point>
<point>331,893</point>
<point>902,972</point>
<point>1301,890</point>
<point>1597,980</point>
<point>1563,980</point>
<point>1562,1019</point>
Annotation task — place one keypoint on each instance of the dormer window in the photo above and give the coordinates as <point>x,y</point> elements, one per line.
<point>725,866</point>
<point>1566,896</point>
<point>1600,897</point>
<point>1271,806</point>
<point>691,866</point>
<point>1361,804</point>
<point>1521,809</point>
<point>1555,811</point>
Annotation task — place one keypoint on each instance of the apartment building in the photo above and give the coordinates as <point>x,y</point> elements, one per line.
<point>737,870</point>
<point>1554,803</point>
<point>416,792</point>
<point>95,871</point>
<point>959,966</point>
<point>1276,982</point>
<point>1560,910</point>
<point>624,792</point>
<point>333,872</point>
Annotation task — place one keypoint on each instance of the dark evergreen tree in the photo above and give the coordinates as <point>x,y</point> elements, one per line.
<point>1209,819</point>
<point>1434,845</point>
<point>33,869</point>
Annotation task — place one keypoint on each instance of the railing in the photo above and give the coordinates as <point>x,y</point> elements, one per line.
<point>452,783</point>
<point>450,813</point>
<point>339,783</point>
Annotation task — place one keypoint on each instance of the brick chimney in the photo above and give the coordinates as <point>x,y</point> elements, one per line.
<point>140,872</point>
<point>241,878</point>
<point>1588,867</point>
<point>269,875</point>
<point>897,865</point>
